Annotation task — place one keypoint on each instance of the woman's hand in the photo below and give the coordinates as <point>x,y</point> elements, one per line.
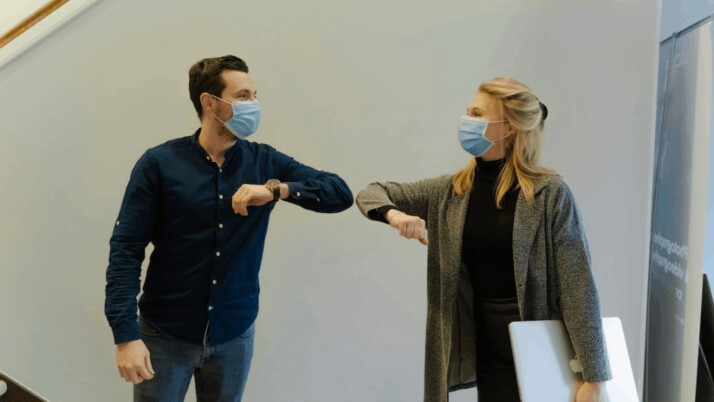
<point>590,392</point>
<point>411,227</point>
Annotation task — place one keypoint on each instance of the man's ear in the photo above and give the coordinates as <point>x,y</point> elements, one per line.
<point>207,102</point>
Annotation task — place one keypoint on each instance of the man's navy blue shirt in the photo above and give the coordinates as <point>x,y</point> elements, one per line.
<point>206,258</point>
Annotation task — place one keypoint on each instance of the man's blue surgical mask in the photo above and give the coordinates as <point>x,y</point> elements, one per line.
<point>472,135</point>
<point>245,120</point>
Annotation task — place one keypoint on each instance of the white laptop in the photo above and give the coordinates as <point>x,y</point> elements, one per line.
<point>542,353</point>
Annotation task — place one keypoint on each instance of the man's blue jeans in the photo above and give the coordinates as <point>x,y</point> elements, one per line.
<point>220,371</point>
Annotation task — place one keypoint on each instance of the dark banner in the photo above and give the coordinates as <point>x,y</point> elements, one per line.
<point>677,238</point>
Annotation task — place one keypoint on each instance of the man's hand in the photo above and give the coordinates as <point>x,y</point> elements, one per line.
<point>133,362</point>
<point>253,195</point>
<point>590,392</point>
<point>411,227</point>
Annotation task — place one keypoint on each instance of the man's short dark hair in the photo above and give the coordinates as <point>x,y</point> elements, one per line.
<point>205,76</point>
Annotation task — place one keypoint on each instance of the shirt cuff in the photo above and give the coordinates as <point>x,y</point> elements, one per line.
<point>126,333</point>
<point>297,190</point>
<point>380,214</point>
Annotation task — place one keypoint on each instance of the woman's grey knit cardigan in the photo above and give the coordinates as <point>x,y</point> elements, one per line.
<point>552,270</point>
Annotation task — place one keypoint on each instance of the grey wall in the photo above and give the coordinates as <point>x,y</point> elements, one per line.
<point>372,90</point>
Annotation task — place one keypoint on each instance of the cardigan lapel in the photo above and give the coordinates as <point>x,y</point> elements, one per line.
<point>456,209</point>
<point>526,223</point>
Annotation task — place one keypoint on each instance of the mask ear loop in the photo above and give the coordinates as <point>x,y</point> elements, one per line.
<point>500,121</point>
<point>219,119</point>
<point>216,116</point>
<point>220,99</point>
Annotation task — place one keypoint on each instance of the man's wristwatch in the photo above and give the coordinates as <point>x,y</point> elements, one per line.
<point>274,186</point>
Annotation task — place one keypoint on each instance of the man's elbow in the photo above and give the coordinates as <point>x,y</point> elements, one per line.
<point>344,200</point>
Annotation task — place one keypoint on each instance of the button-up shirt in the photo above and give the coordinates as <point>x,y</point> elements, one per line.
<point>205,262</point>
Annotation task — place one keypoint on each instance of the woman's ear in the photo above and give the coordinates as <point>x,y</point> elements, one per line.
<point>510,130</point>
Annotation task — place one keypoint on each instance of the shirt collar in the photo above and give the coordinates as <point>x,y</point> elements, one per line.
<point>229,152</point>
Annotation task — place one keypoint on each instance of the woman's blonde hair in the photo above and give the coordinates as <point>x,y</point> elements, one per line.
<point>521,108</point>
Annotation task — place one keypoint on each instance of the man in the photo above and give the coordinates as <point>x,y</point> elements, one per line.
<point>204,202</point>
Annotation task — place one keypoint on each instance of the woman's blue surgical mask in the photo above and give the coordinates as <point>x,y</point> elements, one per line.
<point>245,120</point>
<point>472,135</point>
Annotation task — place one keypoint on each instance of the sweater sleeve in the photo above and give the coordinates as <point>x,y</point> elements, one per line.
<point>411,198</point>
<point>579,300</point>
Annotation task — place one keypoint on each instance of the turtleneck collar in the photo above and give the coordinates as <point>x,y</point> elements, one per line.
<point>488,170</point>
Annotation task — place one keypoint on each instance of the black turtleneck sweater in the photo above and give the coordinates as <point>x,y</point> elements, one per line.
<point>487,249</point>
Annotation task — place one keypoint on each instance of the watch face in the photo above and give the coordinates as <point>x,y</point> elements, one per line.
<point>272,183</point>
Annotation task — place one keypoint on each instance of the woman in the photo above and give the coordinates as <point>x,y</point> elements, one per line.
<point>506,243</point>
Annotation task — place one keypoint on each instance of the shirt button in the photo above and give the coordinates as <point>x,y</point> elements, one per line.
<point>215,281</point>
<point>220,170</point>
<point>318,200</point>
<point>220,196</point>
<point>220,226</point>
<point>208,158</point>
<point>218,253</point>
<point>210,308</point>
<point>298,194</point>
<point>117,223</point>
